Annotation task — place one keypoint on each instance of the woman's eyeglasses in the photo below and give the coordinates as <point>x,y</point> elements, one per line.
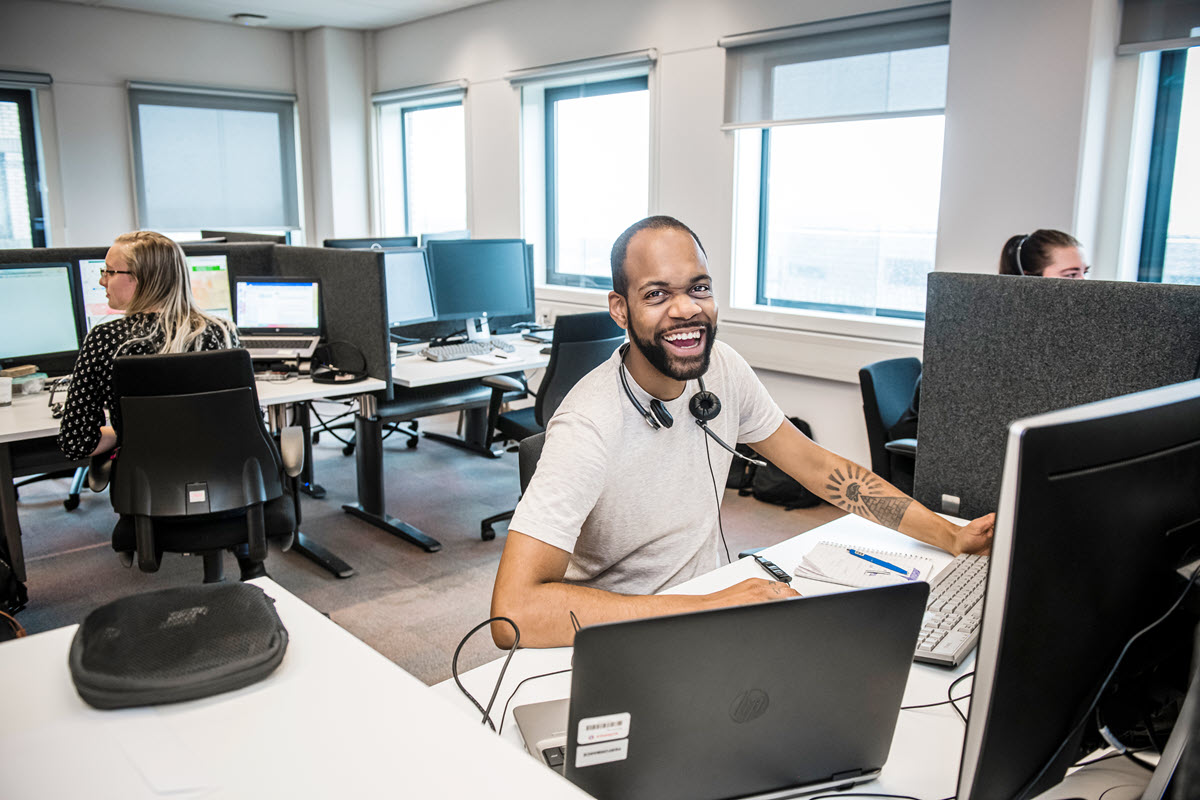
<point>108,273</point>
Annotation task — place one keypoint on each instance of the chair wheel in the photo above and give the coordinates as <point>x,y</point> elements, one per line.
<point>71,503</point>
<point>348,450</point>
<point>316,438</point>
<point>487,533</point>
<point>411,444</point>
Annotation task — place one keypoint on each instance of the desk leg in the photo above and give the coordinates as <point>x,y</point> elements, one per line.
<point>8,514</point>
<point>368,454</point>
<point>307,485</point>
<point>318,554</point>
<point>474,434</point>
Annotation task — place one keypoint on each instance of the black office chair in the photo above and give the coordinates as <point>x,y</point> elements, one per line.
<point>196,470</point>
<point>887,392</point>
<point>581,343</point>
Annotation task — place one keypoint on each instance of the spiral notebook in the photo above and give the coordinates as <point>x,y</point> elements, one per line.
<point>855,566</point>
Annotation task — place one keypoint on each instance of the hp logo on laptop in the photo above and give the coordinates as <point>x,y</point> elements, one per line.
<point>749,706</point>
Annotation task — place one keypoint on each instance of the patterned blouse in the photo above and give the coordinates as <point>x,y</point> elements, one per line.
<point>91,390</point>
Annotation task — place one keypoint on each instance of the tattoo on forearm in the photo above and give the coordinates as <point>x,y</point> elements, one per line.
<point>863,494</point>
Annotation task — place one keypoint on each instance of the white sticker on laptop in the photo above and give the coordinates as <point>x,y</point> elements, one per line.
<point>196,496</point>
<point>589,755</point>
<point>603,729</point>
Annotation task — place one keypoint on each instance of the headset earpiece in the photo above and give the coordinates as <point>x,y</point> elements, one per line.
<point>704,405</point>
<point>660,411</point>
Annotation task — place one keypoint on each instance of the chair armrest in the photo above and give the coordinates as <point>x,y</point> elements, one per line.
<point>504,383</point>
<point>291,449</point>
<point>100,471</point>
<point>903,447</point>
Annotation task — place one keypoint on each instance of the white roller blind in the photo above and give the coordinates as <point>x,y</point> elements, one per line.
<point>581,69</point>
<point>213,158</point>
<point>1148,25</point>
<point>429,94</point>
<point>868,66</point>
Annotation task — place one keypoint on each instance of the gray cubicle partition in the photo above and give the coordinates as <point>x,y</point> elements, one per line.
<point>355,306</point>
<point>999,348</point>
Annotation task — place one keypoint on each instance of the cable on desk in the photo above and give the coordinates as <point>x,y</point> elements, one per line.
<point>868,794</point>
<point>1087,714</point>
<point>454,667</point>
<point>504,715</point>
<point>950,698</point>
<point>17,628</point>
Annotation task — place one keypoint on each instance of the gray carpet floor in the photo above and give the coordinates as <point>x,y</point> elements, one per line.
<point>411,606</point>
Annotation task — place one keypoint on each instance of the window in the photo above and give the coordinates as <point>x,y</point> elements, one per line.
<point>597,175</point>
<point>1170,251</point>
<point>422,162</point>
<point>214,159</point>
<point>585,148</point>
<point>21,220</point>
<point>839,129</point>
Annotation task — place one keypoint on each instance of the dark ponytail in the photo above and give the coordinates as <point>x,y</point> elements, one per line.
<point>1029,254</point>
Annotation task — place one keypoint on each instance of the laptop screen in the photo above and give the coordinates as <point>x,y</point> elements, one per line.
<point>278,305</point>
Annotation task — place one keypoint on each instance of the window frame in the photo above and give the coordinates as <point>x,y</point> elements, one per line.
<point>552,95</point>
<point>1164,143</point>
<point>24,98</point>
<point>405,110</point>
<point>283,106</point>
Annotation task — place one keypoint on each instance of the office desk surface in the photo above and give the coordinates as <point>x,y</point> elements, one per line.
<point>927,747</point>
<point>336,719</point>
<point>413,370</point>
<point>27,418</point>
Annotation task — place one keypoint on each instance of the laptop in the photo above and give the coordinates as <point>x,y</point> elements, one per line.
<point>278,318</point>
<point>763,701</point>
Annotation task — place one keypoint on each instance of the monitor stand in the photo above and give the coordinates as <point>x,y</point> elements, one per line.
<point>477,329</point>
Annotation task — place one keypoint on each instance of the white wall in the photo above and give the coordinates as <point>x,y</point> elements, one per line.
<point>91,53</point>
<point>1024,122</point>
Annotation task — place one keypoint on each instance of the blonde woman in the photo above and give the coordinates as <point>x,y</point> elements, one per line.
<point>146,276</point>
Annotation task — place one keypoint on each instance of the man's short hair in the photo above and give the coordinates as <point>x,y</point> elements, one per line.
<point>617,257</point>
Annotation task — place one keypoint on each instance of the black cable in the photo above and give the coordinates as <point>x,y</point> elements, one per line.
<point>868,794</point>
<point>326,422</point>
<point>950,698</point>
<point>504,714</point>
<point>1141,763</point>
<point>1087,714</point>
<point>1107,757</point>
<point>717,497</point>
<point>454,667</point>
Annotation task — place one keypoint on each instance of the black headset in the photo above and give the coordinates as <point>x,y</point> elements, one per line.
<point>704,405</point>
<point>338,362</point>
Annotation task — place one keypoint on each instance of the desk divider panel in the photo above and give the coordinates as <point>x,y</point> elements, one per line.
<point>999,348</point>
<point>354,301</point>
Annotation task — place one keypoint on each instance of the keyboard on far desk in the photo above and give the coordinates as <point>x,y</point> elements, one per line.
<point>454,352</point>
<point>950,630</point>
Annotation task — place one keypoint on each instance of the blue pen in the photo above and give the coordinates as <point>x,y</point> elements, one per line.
<point>877,561</point>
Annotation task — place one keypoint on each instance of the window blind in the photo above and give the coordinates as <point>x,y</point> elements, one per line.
<point>1148,25</point>
<point>429,94</point>
<point>213,158</point>
<point>580,70</point>
<point>890,63</point>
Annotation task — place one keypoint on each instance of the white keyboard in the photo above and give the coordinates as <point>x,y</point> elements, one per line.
<point>951,626</point>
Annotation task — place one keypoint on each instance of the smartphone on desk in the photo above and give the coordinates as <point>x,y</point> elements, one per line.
<point>541,337</point>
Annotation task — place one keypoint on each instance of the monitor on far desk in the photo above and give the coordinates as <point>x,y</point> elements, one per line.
<point>474,279</point>
<point>377,243</point>
<point>39,316</point>
<point>408,287</point>
<point>1099,508</point>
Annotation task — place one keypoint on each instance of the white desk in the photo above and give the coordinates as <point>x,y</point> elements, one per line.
<point>335,720</point>
<point>412,370</point>
<point>29,418</point>
<point>927,747</point>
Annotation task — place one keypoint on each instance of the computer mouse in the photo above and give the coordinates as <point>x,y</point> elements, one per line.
<point>545,351</point>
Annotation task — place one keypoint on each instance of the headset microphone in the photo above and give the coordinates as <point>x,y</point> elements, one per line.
<point>704,406</point>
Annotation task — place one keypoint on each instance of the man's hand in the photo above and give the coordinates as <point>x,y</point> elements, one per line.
<point>975,537</point>
<point>751,590</point>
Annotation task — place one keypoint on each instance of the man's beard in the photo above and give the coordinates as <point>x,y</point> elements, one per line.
<point>671,366</point>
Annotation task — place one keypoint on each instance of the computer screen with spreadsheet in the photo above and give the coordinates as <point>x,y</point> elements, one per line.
<point>209,275</point>
<point>38,322</point>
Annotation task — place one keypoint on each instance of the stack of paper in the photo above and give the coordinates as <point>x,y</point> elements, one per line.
<point>855,566</point>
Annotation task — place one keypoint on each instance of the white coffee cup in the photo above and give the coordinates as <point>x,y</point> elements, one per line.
<point>5,391</point>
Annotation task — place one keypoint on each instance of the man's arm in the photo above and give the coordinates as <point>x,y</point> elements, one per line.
<point>860,491</point>
<point>529,590</point>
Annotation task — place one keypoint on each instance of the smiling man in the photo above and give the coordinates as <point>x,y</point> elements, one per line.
<point>624,503</point>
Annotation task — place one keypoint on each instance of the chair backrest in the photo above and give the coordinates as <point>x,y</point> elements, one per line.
<point>528,453</point>
<point>581,343</point>
<point>190,419</point>
<point>887,391</point>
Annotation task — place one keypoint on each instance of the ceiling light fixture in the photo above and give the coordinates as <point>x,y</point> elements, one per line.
<point>251,20</point>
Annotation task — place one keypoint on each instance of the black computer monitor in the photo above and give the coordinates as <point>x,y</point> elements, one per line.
<point>40,316</point>
<point>408,287</point>
<point>478,278</point>
<point>442,236</point>
<point>378,243</point>
<point>244,236</point>
<point>1099,506</point>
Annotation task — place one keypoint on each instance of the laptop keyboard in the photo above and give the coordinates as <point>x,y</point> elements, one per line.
<point>950,629</point>
<point>276,344</point>
<point>555,757</point>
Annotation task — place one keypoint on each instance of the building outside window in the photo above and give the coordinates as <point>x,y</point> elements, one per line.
<point>21,221</point>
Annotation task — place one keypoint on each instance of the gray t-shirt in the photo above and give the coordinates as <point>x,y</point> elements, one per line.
<point>635,506</point>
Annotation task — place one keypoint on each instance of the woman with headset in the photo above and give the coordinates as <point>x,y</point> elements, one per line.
<point>146,276</point>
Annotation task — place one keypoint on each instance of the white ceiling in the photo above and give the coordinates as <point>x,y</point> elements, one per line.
<point>294,14</point>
